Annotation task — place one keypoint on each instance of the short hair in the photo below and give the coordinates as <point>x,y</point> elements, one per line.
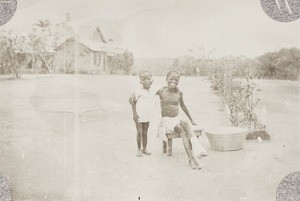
<point>172,72</point>
<point>144,72</point>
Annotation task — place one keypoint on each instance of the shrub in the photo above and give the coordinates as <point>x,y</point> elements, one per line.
<point>284,64</point>
<point>10,46</point>
<point>121,63</point>
<point>232,82</point>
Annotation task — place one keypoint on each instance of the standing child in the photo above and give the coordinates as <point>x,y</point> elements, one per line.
<point>142,104</point>
<point>171,98</point>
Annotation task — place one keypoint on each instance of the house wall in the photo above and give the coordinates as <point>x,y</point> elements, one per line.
<point>79,59</point>
<point>91,62</point>
<point>84,60</point>
<point>65,57</point>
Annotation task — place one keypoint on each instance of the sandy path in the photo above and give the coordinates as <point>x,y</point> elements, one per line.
<point>73,137</point>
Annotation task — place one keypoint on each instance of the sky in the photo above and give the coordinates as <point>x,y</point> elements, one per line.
<point>171,28</point>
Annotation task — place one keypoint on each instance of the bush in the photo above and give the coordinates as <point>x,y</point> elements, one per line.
<point>232,82</point>
<point>10,45</point>
<point>284,64</point>
<point>121,63</point>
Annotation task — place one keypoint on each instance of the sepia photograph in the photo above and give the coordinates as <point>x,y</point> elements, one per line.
<point>139,100</point>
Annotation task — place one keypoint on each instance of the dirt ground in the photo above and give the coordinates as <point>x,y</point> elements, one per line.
<point>67,137</point>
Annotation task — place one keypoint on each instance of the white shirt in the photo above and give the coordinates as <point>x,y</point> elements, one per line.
<point>144,103</point>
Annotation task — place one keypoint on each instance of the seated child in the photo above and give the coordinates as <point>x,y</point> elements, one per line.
<point>170,100</point>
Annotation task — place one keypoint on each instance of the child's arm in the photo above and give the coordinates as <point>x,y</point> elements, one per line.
<point>184,108</point>
<point>132,101</point>
<point>135,115</point>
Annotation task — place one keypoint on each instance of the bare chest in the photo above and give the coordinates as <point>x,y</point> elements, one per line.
<point>168,98</point>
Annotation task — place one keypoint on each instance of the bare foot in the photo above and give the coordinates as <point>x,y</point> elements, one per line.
<point>194,165</point>
<point>146,152</point>
<point>139,153</point>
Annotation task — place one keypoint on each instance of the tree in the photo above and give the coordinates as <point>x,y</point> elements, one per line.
<point>41,41</point>
<point>128,62</point>
<point>45,39</point>
<point>64,31</point>
<point>115,63</point>
<point>42,24</point>
<point>121,62</point>
<point>284,64</point>
<point>11,48</point>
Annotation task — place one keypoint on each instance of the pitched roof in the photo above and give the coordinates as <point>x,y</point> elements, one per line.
<point>102,47</point>
<point>91,32</point>
<point>92,37</point>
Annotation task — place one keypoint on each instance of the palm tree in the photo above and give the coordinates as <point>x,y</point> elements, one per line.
<point>42,23</point>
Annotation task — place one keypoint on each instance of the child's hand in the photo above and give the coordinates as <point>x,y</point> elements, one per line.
<point>136,117</point>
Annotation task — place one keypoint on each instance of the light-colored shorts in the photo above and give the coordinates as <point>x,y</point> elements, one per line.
<point>167,125</point>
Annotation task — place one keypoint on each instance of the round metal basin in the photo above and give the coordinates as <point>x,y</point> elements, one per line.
<point>227,138</point>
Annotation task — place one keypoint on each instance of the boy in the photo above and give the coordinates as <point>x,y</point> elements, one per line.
<point>170,99</point>
<point>142,104</point>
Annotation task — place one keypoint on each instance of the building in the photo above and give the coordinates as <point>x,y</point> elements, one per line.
<point>87,51</point>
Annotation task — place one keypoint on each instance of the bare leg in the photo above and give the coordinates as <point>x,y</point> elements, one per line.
<point>186,143</point>
<point>139,138</point>
<point>145,127</point>
<point>197,147</point>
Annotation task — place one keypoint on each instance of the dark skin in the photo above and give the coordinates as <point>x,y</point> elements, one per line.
<point>141,138</point>
<point>170,100</point>
<point>141,127</point>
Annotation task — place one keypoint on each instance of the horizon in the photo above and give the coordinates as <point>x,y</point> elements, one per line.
<point>171,29</point>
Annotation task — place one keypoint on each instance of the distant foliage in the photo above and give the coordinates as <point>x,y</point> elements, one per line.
<point>157,66</point>
<point>37,49</point>
<point>44,40</point>
<point>284,64</point>
<point>128,61</point>
<point>236,67</point>
<point>11,46</point>
<point>41,44</point>
<point>121,63</point>
<point>191,66</point>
